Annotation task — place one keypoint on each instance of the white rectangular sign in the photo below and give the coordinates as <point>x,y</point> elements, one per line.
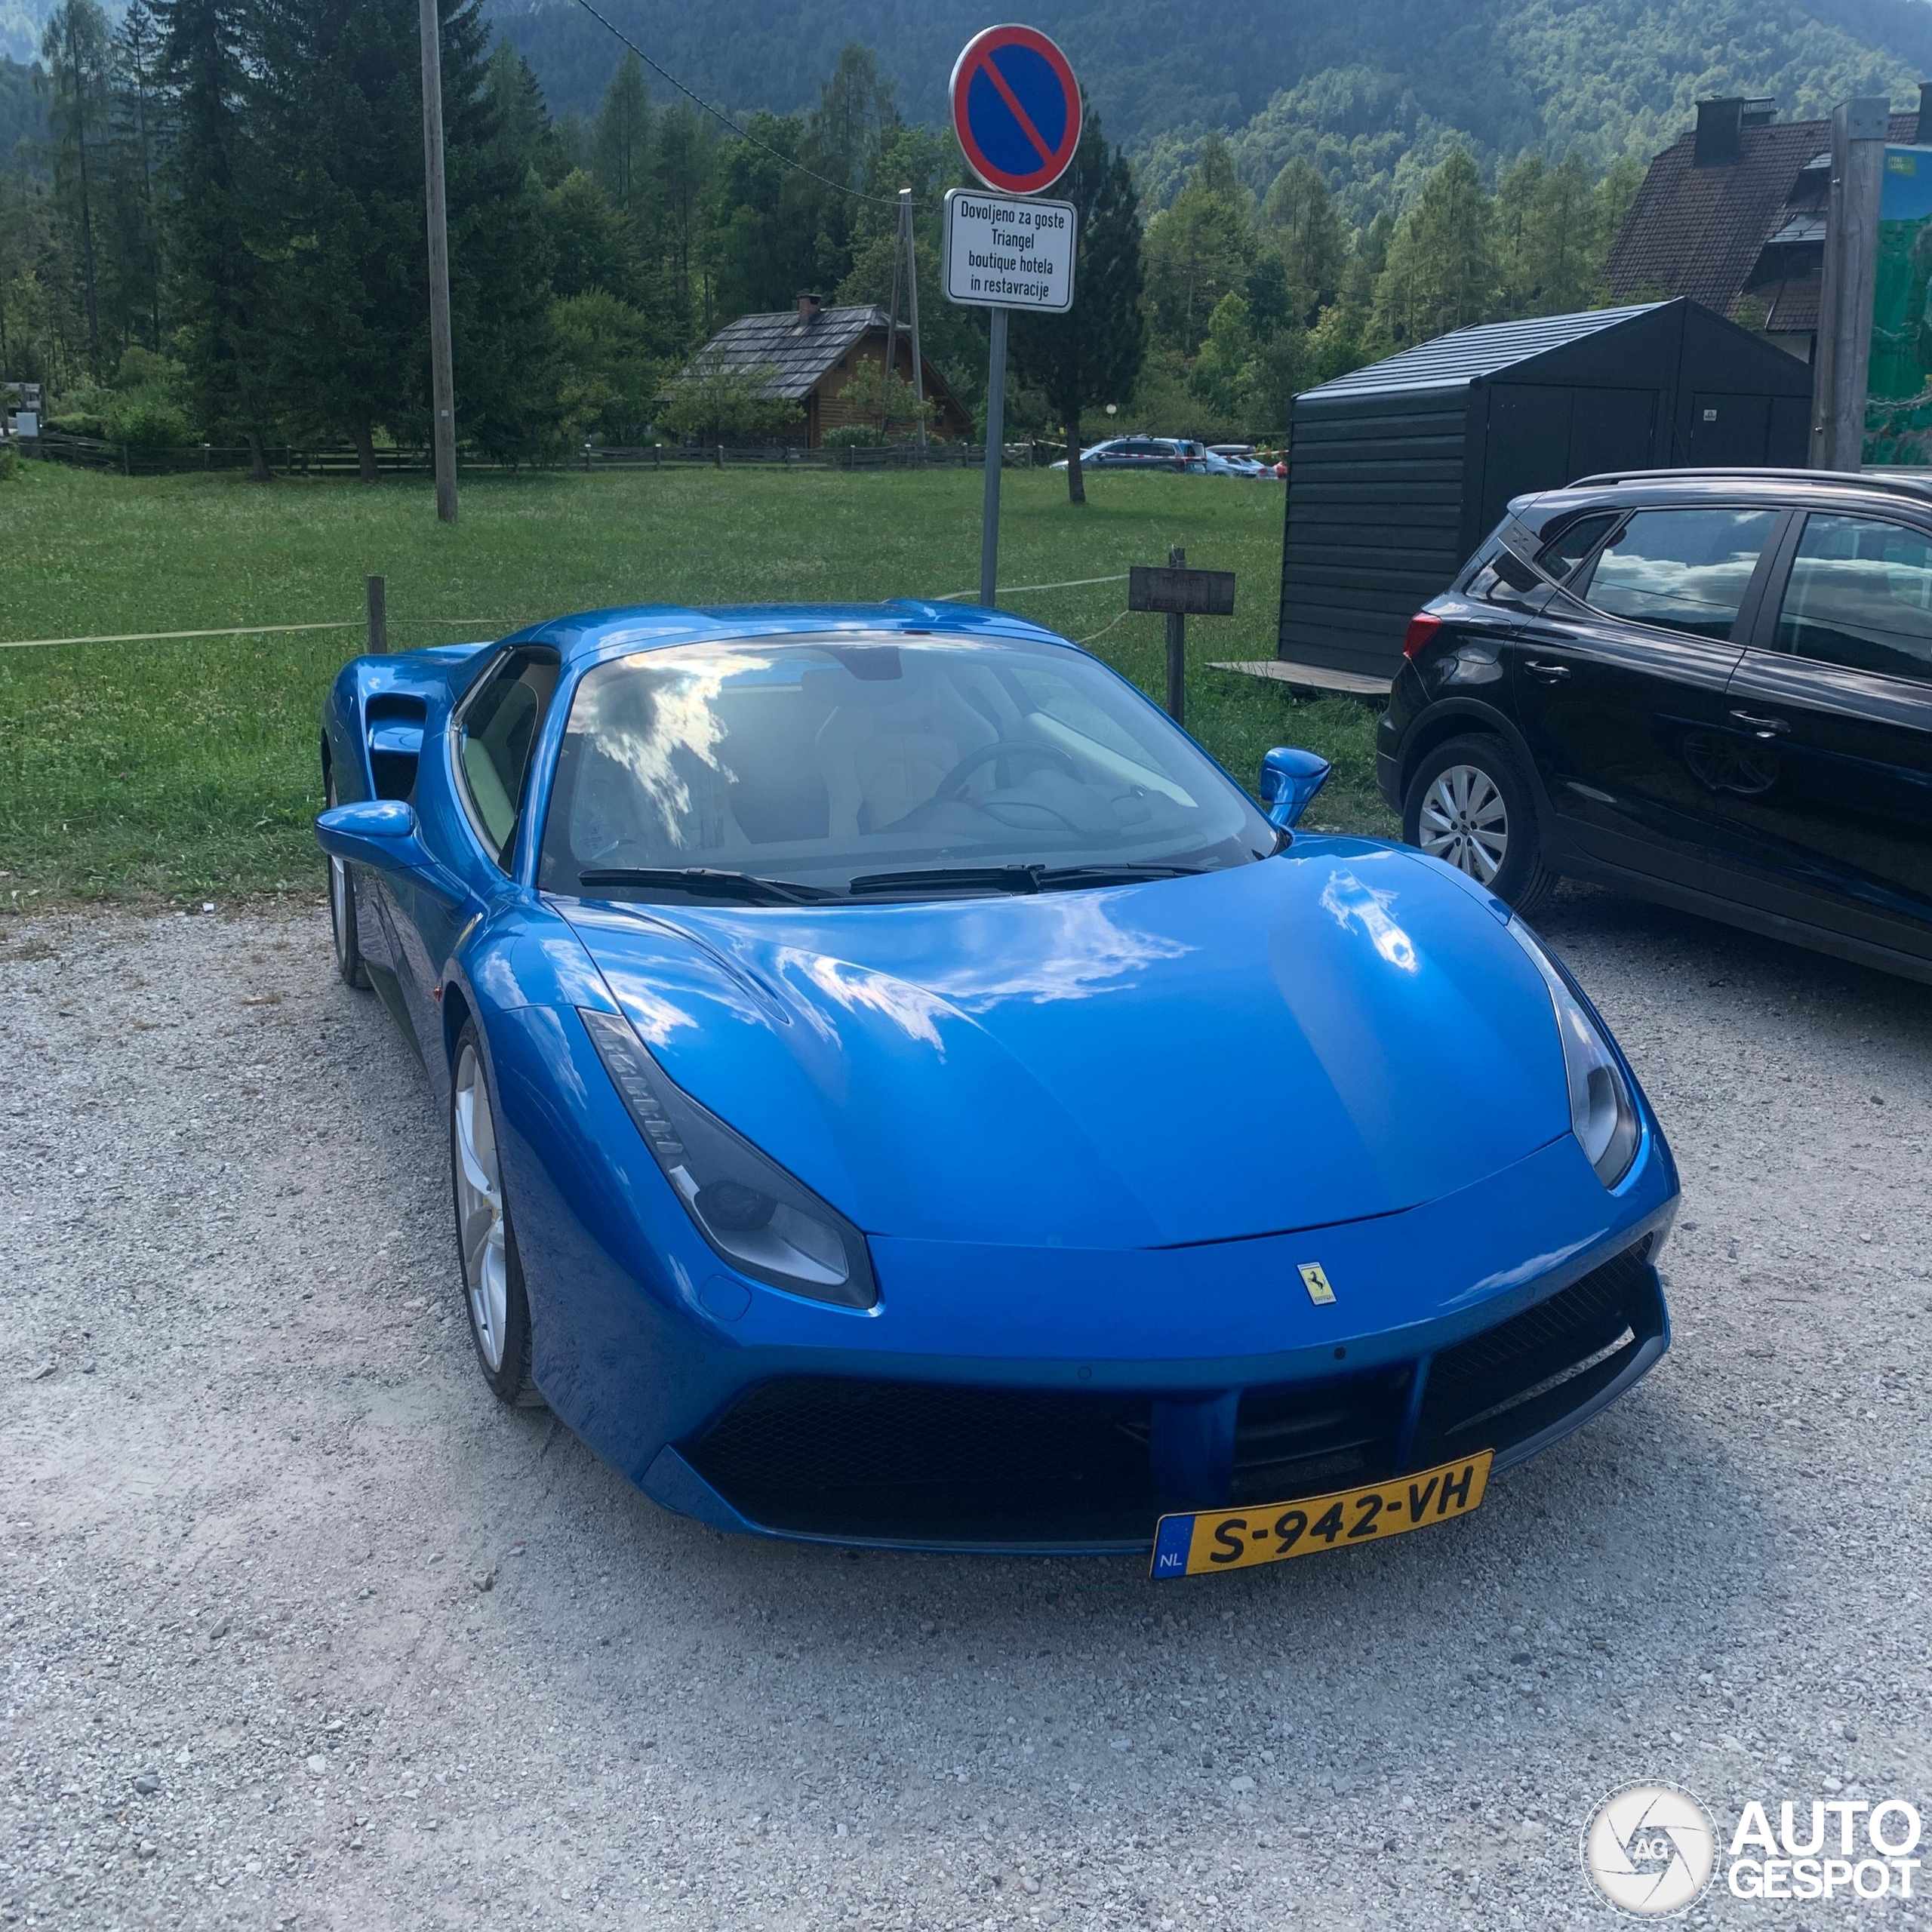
<point>1010,251</point>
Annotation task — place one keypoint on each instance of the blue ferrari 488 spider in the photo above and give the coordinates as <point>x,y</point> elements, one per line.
<point>902,1091</point>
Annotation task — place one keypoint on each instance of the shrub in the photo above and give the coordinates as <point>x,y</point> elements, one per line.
<point>853,435</point>
<point>146,422</point>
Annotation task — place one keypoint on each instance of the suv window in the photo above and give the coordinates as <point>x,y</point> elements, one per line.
<point>1860,594</point>
<point>1571,545</point>
<point>495,733</point>
<point>1685,570</point>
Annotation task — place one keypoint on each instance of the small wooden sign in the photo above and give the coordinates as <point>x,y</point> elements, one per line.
<point>1183,593</point>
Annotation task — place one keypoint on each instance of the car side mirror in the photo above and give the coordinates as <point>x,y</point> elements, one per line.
<point>379,832</point>
<point>1290,779</point>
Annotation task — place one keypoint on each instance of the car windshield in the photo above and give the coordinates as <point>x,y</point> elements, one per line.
<point>820,761</point>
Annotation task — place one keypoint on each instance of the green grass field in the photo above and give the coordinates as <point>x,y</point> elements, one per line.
<point>188,769</point>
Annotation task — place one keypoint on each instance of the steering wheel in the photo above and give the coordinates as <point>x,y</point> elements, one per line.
<point>953,782</point>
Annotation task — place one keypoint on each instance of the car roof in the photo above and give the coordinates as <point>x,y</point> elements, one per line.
<point>593,634</point>
<point>1774,489</point>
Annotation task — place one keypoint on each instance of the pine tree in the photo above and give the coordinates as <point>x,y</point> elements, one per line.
<point>133,188</point>
<point>1198,249</point>
<point>1299,216</point>
<point>681,173</point>
<point>621,139</point>
<point>528,132</point>
<point>335,101</point>
<point>500,258</point>
<point>214,268</point>
<point>1546,236</point>
<point>1441,271</point>
<point>75,47</point>
<point>1092,354</point>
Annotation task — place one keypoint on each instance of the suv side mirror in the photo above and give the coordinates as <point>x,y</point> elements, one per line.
<point>1290,779</point>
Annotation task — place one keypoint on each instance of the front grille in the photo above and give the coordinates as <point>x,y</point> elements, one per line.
<point>930,1462</point>
<point>1508,1383</point>
<point>920,1462</point>
<point>1301,1439</point>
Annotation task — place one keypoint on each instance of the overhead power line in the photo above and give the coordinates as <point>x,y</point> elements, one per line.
<point>718,115</point>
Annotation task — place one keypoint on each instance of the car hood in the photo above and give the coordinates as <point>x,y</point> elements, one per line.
<point>1342,1031</point>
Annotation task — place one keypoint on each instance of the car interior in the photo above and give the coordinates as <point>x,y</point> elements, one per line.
<point>833,753</point>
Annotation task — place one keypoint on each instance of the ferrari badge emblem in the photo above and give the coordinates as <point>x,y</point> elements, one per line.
<point>1316,1283</point>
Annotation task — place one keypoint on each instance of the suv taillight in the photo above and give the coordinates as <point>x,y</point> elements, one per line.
<point>1423,626</point>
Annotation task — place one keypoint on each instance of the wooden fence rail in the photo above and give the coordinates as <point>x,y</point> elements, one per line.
<point>94,453</point>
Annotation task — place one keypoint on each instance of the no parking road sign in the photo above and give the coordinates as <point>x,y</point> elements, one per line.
<point>1016,108</point>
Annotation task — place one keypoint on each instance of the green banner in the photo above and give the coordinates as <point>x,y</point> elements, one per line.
<point>1898,394</point>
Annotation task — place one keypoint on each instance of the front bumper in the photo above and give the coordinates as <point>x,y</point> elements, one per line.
<point>937,1466</point>
<point>1006,1397</point>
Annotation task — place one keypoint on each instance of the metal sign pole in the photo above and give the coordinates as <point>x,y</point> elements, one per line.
<point>1176,651</point>
<point>995,444</point>
<point>913,304</point>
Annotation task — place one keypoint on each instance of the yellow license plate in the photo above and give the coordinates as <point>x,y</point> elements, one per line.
<point>1238,1539</point>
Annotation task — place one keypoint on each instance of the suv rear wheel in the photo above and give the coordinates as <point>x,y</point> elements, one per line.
<point>1469,804</point>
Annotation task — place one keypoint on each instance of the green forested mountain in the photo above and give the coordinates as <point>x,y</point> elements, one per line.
<point>1372,91</point>
<point>1358,88</point>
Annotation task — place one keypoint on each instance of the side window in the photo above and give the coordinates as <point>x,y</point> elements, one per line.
<point>1570,546</point>
<point>1860,594</point>
<point>495,733</point>
<point>1685,570</point>
<point>1503,577</point>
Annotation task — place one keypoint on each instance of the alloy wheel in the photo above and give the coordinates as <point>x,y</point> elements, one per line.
<point>479,1194</point>
<point>1464,820</point>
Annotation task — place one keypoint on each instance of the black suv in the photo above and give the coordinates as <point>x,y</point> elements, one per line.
<point>1713,687</point>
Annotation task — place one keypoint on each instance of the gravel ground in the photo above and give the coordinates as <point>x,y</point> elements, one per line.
<point>302,1630</point>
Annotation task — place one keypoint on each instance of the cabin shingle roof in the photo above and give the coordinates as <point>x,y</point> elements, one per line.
<point>802,353</point>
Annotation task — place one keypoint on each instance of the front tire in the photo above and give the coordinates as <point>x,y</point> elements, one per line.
<point>1470,804</point>
<point>342,926</point>
<point>493,1292</point>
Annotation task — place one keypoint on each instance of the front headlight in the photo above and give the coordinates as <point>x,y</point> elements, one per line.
<point>747,1207</point>
<point>1601,1110</point>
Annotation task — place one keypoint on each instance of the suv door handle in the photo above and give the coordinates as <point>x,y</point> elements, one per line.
<point>1551,674</point>
<point>1764,727</point>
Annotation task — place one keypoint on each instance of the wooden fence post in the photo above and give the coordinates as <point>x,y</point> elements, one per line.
<point>379,615</point>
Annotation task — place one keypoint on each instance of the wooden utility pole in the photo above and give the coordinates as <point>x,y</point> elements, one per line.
<point>442,389</point>
<point>892,329</point>
<point>1859,130</point>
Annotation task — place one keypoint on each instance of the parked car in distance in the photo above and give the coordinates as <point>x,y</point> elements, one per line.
<point>1711,687</point>
<point>841,1016</point>
<point>1231,460</point>
<point>1140,452</point>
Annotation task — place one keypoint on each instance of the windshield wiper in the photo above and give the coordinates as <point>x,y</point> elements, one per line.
<point>708,882</point>
<point>1037,877</point>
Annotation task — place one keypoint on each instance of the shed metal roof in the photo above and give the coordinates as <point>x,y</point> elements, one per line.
<point>1467,355</point>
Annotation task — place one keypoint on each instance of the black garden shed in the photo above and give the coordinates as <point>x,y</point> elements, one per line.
<point>1398,471</point>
